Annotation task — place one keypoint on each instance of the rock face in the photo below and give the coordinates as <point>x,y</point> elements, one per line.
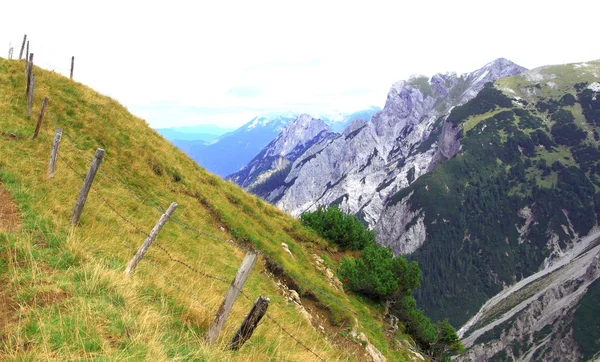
<point>292,142</point>
<point>533,320</point>
<point>372,160</point>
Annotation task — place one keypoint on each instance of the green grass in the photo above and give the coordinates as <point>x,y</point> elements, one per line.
<point>563,76</point>
<point>67,285</point>
<point>473,121</point>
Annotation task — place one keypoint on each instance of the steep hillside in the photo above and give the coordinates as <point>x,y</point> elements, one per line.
<point>63,294</point>
<point>278,155</point>
<point>550,314</point>
<point>519,195</point>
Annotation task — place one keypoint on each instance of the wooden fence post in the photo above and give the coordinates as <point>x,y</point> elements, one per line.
<point>27,53</point>
<point>230,297</point>
<point>72,66</point>
<point>55,146</point>
<point>41,119</point>
<point>29,73</point>
<point>250,323</point>
<point>10,51</point>
<point>150,239</point>
<point>30,96</point>
<point>85,188</point>
<point>23,48</point>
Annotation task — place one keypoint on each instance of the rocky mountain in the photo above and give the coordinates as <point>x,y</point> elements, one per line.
<point>541,317</point>
<point>292,142</point>
<point>338,121</point>
<point>373,160</point>
<point>231,151</point>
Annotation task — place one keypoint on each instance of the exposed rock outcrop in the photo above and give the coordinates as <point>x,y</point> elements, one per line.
<point>371,161</point>
<point>292,142</point>
<point>532,321</point>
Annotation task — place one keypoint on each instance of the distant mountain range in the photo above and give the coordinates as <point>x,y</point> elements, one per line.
<point>207,132</point>
<point>231,151</point>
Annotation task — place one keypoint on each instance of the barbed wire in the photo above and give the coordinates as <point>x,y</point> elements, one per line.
<point>228,241</point>
<point>113,178</point>
<point>292,336</point>
<point>175,260</point>
<point>132,248</point>
<point>293,275</point>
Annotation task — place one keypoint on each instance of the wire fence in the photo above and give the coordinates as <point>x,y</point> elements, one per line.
<point>172,258</point>
<point>295,276</point>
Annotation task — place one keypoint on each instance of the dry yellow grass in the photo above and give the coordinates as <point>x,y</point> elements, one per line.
<point>89,309</point>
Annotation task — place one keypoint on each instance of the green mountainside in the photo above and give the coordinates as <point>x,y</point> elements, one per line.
<point>63,295</point>
<point>523,185</point>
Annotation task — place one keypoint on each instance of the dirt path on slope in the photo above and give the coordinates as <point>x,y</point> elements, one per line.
<point>10,219</point>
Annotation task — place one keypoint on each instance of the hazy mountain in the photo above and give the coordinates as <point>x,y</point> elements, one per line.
<point>206,132</point>
<point>233,150</point>
<point>278,155</point>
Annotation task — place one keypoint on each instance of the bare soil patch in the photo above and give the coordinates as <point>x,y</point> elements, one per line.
<point>10,219</point>
<point>51,297</point>
<point>11,136</point>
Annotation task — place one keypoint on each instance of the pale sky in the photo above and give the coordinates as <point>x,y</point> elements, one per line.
<point>178,63</point>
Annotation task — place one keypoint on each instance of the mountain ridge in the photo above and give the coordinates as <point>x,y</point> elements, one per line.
<point>293,140</point>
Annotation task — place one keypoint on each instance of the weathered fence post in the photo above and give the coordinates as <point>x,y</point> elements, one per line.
<point>41,119</point>
<point>250,323</point>
<point>30,96</point>
<point>10,51</point>
<point>85,188</point>
<point>55,146</point>
<point>150,239</point>
<point>230,297</point>
<point>29,73</point>
<point>23,48</point>
<point>72,66</point>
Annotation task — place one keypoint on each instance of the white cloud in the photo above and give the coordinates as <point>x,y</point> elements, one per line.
<point>303,55</point>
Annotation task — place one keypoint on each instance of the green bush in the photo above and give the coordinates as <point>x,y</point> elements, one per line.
<point>340,228</point>
<point>378,274</point>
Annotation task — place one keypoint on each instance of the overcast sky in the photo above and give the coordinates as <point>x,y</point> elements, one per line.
<point>178,63</point>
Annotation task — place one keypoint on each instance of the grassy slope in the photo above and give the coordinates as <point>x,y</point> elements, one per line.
<point>66,287</point>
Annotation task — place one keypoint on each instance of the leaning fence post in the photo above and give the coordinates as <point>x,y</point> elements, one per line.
<point>150,239</point>
<point>85,188</point>
<point>23,48</point>
<point>30,96</point>
<point>72,66</point>
<point>250,323</point>
<point>230,297</point>
<point>29,73</point>
<point>41,119</point>
<point>55,145</point>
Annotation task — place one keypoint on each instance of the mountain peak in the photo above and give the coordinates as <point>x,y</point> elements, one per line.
<point>303,128</point>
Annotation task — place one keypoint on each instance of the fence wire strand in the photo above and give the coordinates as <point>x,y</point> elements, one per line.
<point>175,260</point>
<point>241,247</point>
